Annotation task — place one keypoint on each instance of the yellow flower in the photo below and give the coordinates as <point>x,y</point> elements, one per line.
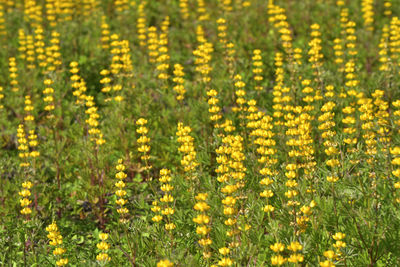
<point>330,254</point>
<point>201,206</point>
<point>295,246</point>
<point>103,236</point>
<point>339,236</point>
<point>103,257</point>
<point>326,263</point>
<point>277,247</point>
<point>103,245</point>
<point>269,208</point>
<point>225,262</point>
<point>58,251</point>
<point>164,263</point>
<point>224,251</point>
<point>157,218</point>
<point>201,219</point>
<point>295,258</point>
<point>278,260</point>
<point>62,262</point>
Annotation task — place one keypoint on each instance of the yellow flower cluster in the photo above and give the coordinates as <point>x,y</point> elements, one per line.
<point>103,246</point>
<point>200,36</point>
<point>163,56</point>
<point>121,5</point>
<point>382,115</point>
<point>315,47</point>
<point>240,94</point>
<point>351,38</point>
<point>179,81</point>
<point>33,49</point>
<point>222,32</point>
<point>28,109</point>
<point>25,201</point>
<point>334,255</point>
<point>279,91</point>
<point>105,81</point>
<point>202,11</point>
<point>387,6</point>
<point>297,57</point>
<point>188,162</point>
<point>395,153</point>
<point>105,33</point>
<point>203,58</point>
<point>299,135</point>
<point>152,44</point>
<point>266,149</point>
<point>143,140</point>
<point>225,261</point>
<point>213,108</point>
<point>231,172</point>
<point>164,263</point>
<point>141,24</point>
<point>78,83</point>
<point>165,209</point>
<point>56,240</point>
<point>184,9</point>
<point>230,58</point>
<point>203,220</point>
<point>257,69</point>
<point>295,257</point>
<point>278,18</point>
<point>384,58</point>
<point>367,9</point>
<point>22,145</point>
<point>389,45</point>
<point>116,54</point>
<point>121,193</point>
<point>30,52</point>
<point>120,65</point>
<point>33,13</point>
<point>227,126</point>
<point>3,31</point>
<point>350,121</point>
<point>326,126</point>
<point>52,51</point>
<point>39,47</point>
<point>253,114</point>
<point>33,143</point>
<point>12,68</point>
<point>121,61</point>
<point>366,108</point>
<point>48,95</point>
<point>226,5</point>
<point>344,18</point>
<point>94,132</point>
<point>338,48</point>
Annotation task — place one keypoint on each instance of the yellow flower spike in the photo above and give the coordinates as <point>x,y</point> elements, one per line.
<point>56,241</point>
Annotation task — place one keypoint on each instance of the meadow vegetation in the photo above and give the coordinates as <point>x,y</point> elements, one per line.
<point>200,133</point>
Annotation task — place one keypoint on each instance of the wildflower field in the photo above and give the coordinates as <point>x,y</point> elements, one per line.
<point>200,133</point>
